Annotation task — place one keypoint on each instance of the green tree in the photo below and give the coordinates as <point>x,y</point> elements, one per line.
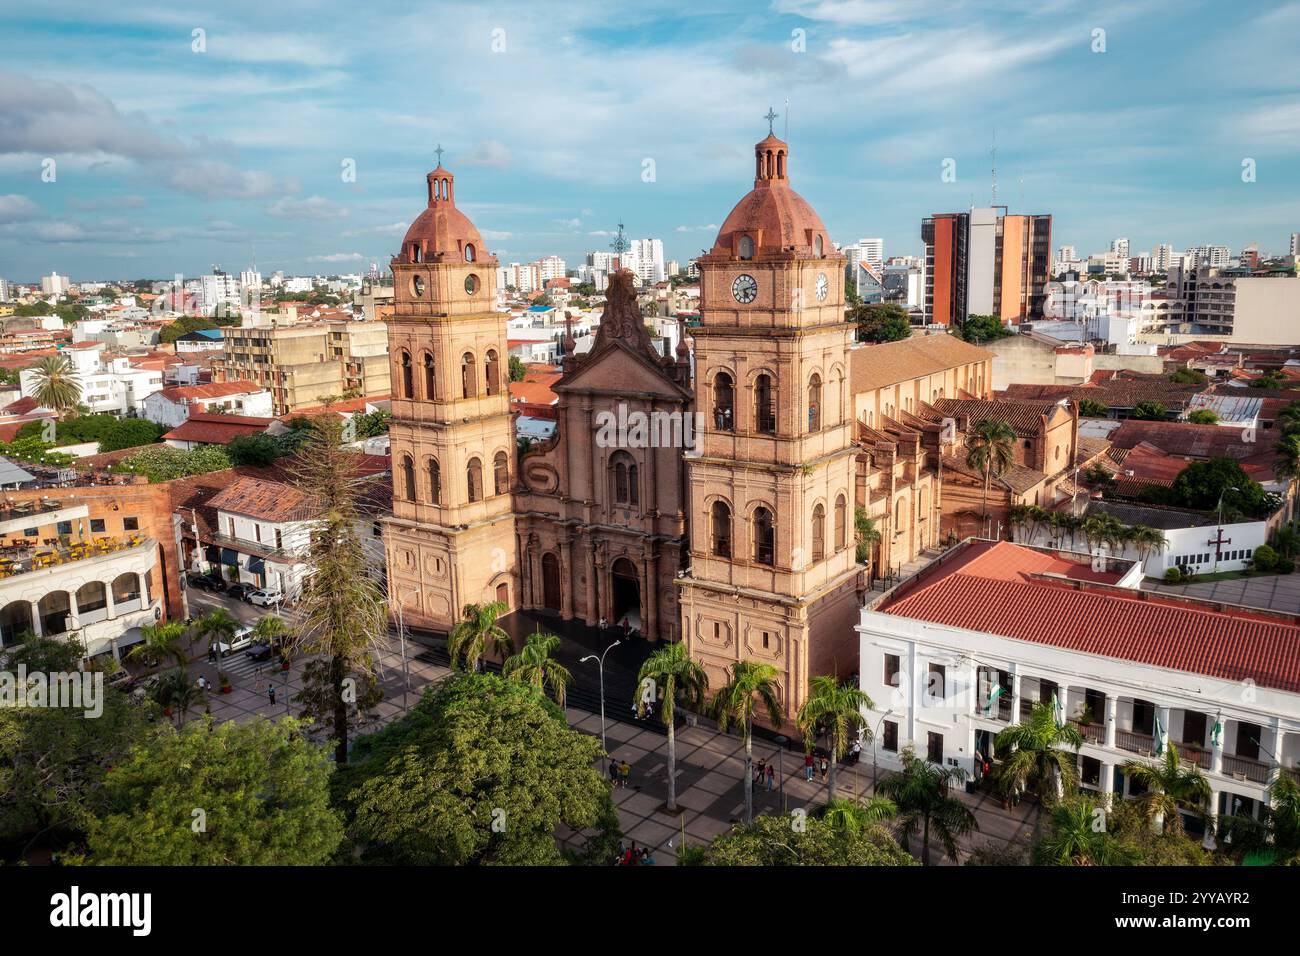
<point>482,771</point>
<point>56,384</point>
<point>1091,408</point>
<point>1168,788</point>
<point>177,694</point>
<point>371,424</point>
<point>865,533</point>
<point>517,369</point>
<point>773,841</point>
<point>749,686</point>
<point>1034,756</point>
<point>1150,410</point>
<point>1203,416</point>
<point>1147,540</point>
<point>535,664</point>
<point>981,328</point>
<point>835,708</point>
<point>1200,484</point>
<point>991,451</point>
<point>475,632</point>
<point>1268,380</point>
<point>162,463</point>
<point>1188,376</point>
<point>161,642</point>
<point>345,618</point>
<point>670,676</point>
<point>880,322</point>
<point>262,789</point>
<point>255,451</point>
<point>219,628</point>
<point>1287,463</point>
<point>1078,835</point>
<point>921,792</point>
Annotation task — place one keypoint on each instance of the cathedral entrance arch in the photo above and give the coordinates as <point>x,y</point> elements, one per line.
<point>626,588</point>
<point>551,581</point>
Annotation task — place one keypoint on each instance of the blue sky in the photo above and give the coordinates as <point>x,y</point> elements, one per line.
<point>168,160</point>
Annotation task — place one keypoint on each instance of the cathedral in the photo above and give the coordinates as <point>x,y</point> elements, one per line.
<point>728,522</point>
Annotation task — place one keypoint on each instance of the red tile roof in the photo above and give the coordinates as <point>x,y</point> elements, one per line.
<point>267,500</point>
<point>22,406</point>
<point>209,429</point>
<point>998,588</point>
<point>189,393</point>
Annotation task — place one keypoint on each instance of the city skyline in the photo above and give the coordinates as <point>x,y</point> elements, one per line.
<point>177,150</point>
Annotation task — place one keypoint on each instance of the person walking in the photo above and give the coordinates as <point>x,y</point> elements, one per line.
<point>771,778</point>
<point>270,692</point>
<point>625,772</point>
<point>826,767</point>
<point>808,765</point>
<point>613,780</point>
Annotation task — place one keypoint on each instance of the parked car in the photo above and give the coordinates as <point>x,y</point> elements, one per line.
<point>207,582</point>
<point>260,652</point>
<point>264,597</point>
<point>142,688</point>
<point>241,590</point>
<point>243,638</point>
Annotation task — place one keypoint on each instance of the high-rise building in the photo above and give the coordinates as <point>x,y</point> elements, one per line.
<point>1295,243</point>
<point>1067,254</point>
<point>1162,257</point>
<point>986,262</point>
<point>54,284</point>
<point>550,267</point>
<point>250,280</point>
<point>772,573</point>
<point>645,257</point>
<point>5,290</point>
<point>1213,257</point>
<point>451,539</point>
<point>673,268</point>
<point>1120,247</point>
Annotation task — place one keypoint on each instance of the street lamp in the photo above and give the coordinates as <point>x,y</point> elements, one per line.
<point>781,740</point>
<point>875,735</point>
<point>601,661</point>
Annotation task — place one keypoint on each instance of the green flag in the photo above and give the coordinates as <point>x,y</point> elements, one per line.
<point>1216,733</point>
<point>1058,712</point>
<point>1160,736</point>
<point>994,694</point>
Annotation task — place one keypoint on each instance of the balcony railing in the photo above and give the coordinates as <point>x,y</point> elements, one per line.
<point>1135,743</point>
<point>1093,733</point>
<point>24,560</point>
<point>1195,757</point>
<point>1235,766</point>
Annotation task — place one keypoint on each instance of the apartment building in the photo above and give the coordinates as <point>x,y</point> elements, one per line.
<point>986,262</point>
<point>305,363</point>
<point>116,385</point>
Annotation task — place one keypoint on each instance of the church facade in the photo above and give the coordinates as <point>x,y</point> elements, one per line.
<point>707,496</point>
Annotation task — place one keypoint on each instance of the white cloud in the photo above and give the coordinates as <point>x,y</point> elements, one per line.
<point>338,257</point>
<point>313,207</point>
<point>709,228</point>
<point>490,153</point>
<point>14,208</point>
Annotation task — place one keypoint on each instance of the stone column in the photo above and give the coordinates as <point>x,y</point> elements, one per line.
<point>1015,694</point>
<point>651,599</point>
<point>1216,751</point>
<point>1107,784</point>
<point>36,619</point>
<point>592,613</point>
<point>1112,720</point>
<point>1273,732</point>
<point>1212,824</point>
<point>566,577</point>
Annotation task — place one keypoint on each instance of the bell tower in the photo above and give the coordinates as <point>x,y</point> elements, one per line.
<point>773,574</point>
<point>451,539</point>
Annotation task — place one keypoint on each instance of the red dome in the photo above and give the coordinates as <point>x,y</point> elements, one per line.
<point>442,233</point>
<point>772,216</point>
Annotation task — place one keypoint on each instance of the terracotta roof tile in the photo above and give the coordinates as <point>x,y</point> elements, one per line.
<point>876,366</point>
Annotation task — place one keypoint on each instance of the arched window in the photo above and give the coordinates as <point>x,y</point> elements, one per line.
<point>723,403</point>
<point>764,537</point>
<point>492,370</point>
<point>764,405</point>
<point>408,385</point>
<point>746,247</point>
<point>126,587</point>
<point>501,473</point>
<point>817,246</point>
<point>91,596</point>
<point>468,386</point>
<point>819,533</point>
<point>841,523</point>
<point>626,491</point>
<point>721,515</point>
<point>435,482</point>
<point>898,515</point>
<point>469,252</point>
<point>474,479</point>
<point>408,477</point>
<point>815,403</point>
<point>429,377</point>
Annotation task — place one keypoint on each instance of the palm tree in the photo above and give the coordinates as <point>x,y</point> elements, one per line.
<point>1076,840</point>
<point>864,529</point>
<point>57,385</point>
<point>1285,540</point>
<point>161,642</point>
<point>535,665</point>
<point>1035,759</point>
<point>836,708</point>
<point>175,690</point>
<point>990,451</point>
<point>1282,816</point>
<point>853,816</point>
<point>920,791</point>
<point>1288,455</point>
<point>1170,787</point>
<point>219,628</point>
<point>470,638</point>
<point>271,630</point>
<point>749,685</point>
<point>674,676</point>
<point>1147,541</point>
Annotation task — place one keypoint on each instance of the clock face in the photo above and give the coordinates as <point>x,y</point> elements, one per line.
<point>822,286</point>
<point>744,289</point>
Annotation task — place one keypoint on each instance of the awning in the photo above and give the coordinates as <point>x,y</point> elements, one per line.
<point>230,556</point>
<point>256,565</point>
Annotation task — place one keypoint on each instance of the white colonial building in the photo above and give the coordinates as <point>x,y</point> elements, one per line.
<point>172,406</point>
<point>1133,670</point>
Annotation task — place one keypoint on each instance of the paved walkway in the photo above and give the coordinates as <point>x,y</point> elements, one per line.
<point>709,764</point>
<point>1278,592</point>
